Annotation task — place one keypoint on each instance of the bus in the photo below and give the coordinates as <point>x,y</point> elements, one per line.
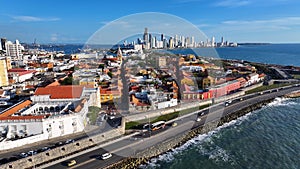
<point>158,125</point>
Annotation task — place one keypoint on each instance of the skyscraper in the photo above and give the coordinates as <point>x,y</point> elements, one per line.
<point>213,41</point>
<point>150,40</point>
<point>3,43</point>
<point>162,37</point>
<point>146,37</point>
<point>176,41</point>
<point>171,42</point>
<point>192,41</point>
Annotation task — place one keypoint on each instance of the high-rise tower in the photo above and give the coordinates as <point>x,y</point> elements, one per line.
<point>146,36</point>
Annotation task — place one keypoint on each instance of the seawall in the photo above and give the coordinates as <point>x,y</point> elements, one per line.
<point>169,144</point>
<point>293,94</point>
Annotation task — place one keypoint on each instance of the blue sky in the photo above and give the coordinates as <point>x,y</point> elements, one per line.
<point>67,21</point>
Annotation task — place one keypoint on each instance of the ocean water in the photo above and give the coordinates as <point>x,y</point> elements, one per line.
<point>284,54</point>
<point>265,138</point>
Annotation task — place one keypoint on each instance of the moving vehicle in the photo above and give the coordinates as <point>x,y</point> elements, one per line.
<point>106,156</point>
<point>158,125</point>
<point>71,163</point>
<point>198,119</point>
<point>174,124</point>
<point>227,103</point>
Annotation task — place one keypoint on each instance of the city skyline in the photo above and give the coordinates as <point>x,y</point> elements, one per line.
<point>75,22</point>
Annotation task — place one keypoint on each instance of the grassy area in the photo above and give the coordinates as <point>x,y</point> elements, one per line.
<point>296,76</point>
<point>165,117</point>
<point>263,88</point>
<point>132,125</point>
<point>93,114</point>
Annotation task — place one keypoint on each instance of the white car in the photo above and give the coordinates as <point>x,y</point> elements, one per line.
<point>198,119</point>
<point>106,156</point>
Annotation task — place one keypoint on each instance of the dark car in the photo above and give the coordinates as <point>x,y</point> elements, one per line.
<point>59,144</point>
<point>4,160</point>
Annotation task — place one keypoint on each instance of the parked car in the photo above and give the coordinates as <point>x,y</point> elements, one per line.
<point>106,156</point>
<point>31,153</point>
<point>23,155</point>
<point>70,141</point>
<point>59,144</point>
<point>45,148</point>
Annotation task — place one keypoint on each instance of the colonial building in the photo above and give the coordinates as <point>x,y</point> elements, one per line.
<point>53,111</point>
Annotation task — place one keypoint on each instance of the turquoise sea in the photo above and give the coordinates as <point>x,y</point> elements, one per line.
<point>284,54</point>
<point>268,138</point>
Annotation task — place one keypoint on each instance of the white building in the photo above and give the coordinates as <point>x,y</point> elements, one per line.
<point>20,75</point>
<point>14,50</point>
<point>252,78</point>
<point>53,112</point>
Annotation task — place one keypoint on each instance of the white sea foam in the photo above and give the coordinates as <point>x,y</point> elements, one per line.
<point>216,153</point>
<point>282,102</point>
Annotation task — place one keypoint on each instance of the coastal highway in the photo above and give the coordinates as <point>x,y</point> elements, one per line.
<point>130,146</point>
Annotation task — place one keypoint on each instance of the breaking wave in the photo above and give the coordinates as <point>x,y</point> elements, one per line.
<point>281,101</point>
<point>217,153</point>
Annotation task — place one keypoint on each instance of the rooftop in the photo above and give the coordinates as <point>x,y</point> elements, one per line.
<point>15,109</point>
<point>60,92</point>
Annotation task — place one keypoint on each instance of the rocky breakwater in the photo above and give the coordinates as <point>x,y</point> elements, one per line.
<point>144,156</point>
<point>294,94</point>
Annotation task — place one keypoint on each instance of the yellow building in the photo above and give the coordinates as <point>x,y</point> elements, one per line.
<point>88,82</point>
<point>208,81</point>
<point>109,95</point>
<point>3,73</point>
<point>8,63</point>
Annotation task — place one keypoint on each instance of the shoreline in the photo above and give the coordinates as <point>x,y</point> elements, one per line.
<point>294,94</point>
<point>168,145</point>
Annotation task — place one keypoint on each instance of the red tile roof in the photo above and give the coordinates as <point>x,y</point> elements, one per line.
<point>20,71</point>
<point>15,109</point>
<point>262,75</point>
<point>24,117</point>
<point>113,92</point>
<point>60,92</point>
<point>80,106</point>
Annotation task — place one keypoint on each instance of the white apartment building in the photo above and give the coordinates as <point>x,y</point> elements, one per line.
<point>14,49</point>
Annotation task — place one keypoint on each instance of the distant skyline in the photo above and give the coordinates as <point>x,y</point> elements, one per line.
<point>66,21</point>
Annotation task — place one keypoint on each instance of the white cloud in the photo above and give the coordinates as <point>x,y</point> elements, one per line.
<point>33,19</point>
<point>283,29</point>
<point>54,37</point>
<point>232,3</point>
<point>272,24</point>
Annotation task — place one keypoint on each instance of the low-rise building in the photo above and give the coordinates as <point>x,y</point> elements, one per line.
<point>19,75</point>
<point>53,111</point>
